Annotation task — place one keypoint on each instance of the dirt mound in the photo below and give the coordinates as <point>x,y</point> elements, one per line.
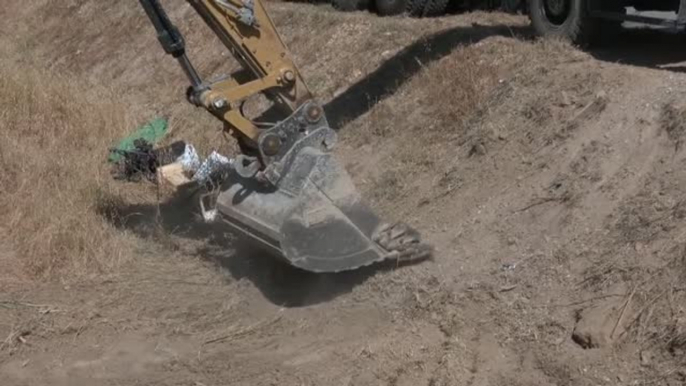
<point>548,179</point>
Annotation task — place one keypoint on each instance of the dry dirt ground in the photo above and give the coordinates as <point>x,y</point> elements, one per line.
<point>551,182</point>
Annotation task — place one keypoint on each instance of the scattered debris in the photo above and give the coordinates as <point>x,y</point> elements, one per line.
<point>151,133</point>
<point>244,331</point>
<point>540,201</point>
<point>508,266</point>
<point>591,110</point>
<point>143,160</point>
<point>621,314</point>
<point>178,164</point>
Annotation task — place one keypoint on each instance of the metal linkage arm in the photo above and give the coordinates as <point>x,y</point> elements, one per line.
<point>171,40</point>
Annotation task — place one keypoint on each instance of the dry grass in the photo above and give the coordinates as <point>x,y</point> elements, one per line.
<point>425,120</point>
<point>457,88</point>
<point>647,256</point>
<point>55,131</point>
<point>659,323</point>
<point>461,107</point>
<point>53,140</point>
<point>673,121</point>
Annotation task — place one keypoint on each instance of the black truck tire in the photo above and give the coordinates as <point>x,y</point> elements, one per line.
<point>566,19</point>
<point>513,6</point>
<point>415,7</point>
<point>391,7</point>
<point>572,20</point>
<point>350,5</point>
<point>434,8</point>
<point>427,8</point>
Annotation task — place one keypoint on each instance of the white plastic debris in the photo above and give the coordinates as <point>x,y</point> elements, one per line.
<point>209,213</point>
<point>189,159</point>
<point>201,172</point>
<point>214,163</point>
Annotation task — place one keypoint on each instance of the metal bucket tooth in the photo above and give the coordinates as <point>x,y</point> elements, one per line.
<point>403,243</point>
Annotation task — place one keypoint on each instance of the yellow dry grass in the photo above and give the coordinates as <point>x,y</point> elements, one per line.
<point>53,174</point>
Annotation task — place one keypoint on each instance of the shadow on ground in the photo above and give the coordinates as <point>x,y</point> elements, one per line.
<point>176,224</point>
<point>645,47</point>
<point>392,74</point>
<point>640,47</point>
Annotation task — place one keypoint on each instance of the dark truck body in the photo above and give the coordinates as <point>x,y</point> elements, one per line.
<point>678,6</point>
<point>587,22</point>
<point>608,10</point>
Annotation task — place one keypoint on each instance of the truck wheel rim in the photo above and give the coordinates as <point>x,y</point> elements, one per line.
<point>557,11</point>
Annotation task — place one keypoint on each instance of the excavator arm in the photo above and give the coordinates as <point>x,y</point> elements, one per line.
<point>258,48</point>
<point>286,190</point>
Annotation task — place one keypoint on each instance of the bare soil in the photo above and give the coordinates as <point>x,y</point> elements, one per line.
<point>549,180</point>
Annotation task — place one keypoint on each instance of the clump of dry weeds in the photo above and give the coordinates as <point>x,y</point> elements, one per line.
<point>647,256</point>
<point>659,324</point>
<point>53,140</point>
<point>456,88</point>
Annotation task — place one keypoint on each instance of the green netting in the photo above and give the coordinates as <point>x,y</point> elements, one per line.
<point>152,132</point>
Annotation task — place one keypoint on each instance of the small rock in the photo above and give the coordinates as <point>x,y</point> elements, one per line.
<point>508,266</point>
<point>565,99</point>
<point>646,358</point>
<point>477,149</point>
<point>592,109</point>
<point>93,315</point>
<point>596,324</point>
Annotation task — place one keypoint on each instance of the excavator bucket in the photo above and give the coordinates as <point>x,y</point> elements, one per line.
<point>316,219</point>
<point>311,214</point>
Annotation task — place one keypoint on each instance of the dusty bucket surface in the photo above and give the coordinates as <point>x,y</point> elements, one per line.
<point>315,218</point>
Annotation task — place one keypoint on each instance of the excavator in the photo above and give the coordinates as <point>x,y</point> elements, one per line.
<point>285,191</point>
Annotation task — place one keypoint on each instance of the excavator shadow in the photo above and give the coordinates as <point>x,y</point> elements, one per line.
<point>176,225</point>
<point>392,74</point>
<point>635,46</point>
